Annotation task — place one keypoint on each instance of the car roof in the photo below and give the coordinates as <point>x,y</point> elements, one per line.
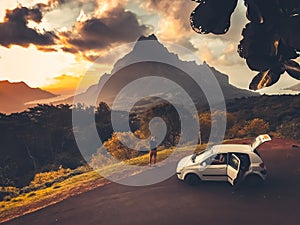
<point>225,148</point>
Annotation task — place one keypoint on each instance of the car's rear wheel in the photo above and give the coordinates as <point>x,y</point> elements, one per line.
<point>192,179</point>
<point>254,180</point>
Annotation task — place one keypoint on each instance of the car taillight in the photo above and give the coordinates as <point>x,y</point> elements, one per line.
<point>262,165</point>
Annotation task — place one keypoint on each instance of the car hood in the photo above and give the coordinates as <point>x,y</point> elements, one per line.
<point>185,162</point>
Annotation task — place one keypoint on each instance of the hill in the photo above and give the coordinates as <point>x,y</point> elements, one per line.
<point>13,96</point>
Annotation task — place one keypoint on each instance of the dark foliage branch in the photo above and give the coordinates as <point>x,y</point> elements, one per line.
<point>271,40</point>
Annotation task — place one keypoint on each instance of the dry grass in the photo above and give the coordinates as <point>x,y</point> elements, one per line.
<point>52,187</point>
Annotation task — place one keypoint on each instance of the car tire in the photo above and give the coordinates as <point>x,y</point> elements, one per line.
<point>192,179</point>
<point>254,181</point>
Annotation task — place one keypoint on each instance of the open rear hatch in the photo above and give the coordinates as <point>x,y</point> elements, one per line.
<point>258,141</point>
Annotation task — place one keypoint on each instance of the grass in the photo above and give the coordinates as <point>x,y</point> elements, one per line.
<point>33,200</point>
<point>65,183</point>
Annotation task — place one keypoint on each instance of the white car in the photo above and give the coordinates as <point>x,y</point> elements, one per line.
<point>225,162</point>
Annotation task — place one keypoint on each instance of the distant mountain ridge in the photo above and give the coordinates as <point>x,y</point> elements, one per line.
<point>295,87</point>
<point>124,72</point>
<point>14,95</point>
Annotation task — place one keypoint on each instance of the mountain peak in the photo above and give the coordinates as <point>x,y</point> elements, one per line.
<point>145,60</point>
<point>151,37</point>
<point>145,47</point>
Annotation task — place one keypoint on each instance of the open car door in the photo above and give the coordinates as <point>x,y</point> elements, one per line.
<point>233,168</point>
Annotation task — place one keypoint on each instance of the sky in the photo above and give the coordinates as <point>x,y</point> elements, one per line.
<point>53,43</point>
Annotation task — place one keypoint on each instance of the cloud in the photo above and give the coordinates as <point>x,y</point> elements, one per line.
<point>187,44</point>
<point>63,85</point>
<point>62,15</point>
<point>176,11</point>
<point>85,28</point>
<point>50,4</point>
<point>174,24</point>
<point>14,29</point>
<point>98,34</point>
<point>220,56</point>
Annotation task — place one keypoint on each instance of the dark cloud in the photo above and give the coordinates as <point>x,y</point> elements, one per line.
<point>89,38</point>
<point>96,34</point>
<point>15,31</point>
<point>69,50</point>
<point>46,49</point>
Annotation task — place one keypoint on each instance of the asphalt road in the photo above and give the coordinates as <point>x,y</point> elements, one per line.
<point>172,202</point>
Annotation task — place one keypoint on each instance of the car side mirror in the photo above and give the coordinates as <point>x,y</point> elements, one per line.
<point>203,164</point>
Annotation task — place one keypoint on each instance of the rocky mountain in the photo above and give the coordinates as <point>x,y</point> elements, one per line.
<point>13,96</point>
<point>151,68</point>
<point>294,88</point>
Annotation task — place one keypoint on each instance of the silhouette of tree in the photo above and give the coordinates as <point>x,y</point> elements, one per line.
<point>37,140</point>
<point>103,108</point>
<point>270,40</point>
<point>103,121</point>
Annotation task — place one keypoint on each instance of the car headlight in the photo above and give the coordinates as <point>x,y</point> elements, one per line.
<point>179,170</point>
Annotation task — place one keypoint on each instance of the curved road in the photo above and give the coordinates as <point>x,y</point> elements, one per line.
<point>174,203</point>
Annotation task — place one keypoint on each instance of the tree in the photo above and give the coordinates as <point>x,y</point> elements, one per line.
<point>290,129</point>
<point>254,127</point>
<point>37,140</point>
<point>205,126</point>
<point>103,121</point>
<point>119,150</point>
<point>270,40</point>
<point>103,108</point>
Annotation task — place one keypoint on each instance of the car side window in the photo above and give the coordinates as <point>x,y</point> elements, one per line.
<point>219,159</point>
<point>233,162</point>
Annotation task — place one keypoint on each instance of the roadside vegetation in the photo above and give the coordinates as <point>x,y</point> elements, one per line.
<point>41,164</point>
<point>51,187</point>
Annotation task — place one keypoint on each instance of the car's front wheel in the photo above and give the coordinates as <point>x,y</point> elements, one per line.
<point>192,179</point>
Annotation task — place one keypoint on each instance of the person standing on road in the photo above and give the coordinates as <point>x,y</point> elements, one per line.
<point>153,150</point>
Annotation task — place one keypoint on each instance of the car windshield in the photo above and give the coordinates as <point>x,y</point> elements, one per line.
<point>203,153</point>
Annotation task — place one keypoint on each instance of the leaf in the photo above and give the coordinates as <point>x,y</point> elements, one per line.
<point>222,26</point>
<point>286,52</point>
<point>202,20</point>
<point>290,32</point>
<point>293,69</point>
<point>265,79</point>
<point>261,63</point>
<point>212,16</point>
<point>253,12</point>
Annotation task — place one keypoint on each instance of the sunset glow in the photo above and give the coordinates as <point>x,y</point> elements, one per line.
<point>69,36</point>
